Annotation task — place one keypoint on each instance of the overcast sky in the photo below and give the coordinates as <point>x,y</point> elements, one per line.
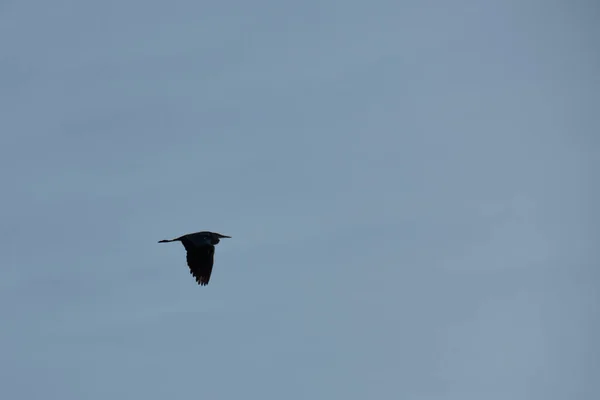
<point>408,187</point>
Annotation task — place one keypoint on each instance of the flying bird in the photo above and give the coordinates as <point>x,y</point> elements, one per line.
<point>200,249</point>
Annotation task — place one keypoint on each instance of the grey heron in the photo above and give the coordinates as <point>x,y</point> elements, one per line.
<point>200,249</point>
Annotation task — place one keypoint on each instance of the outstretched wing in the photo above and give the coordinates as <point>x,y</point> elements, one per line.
<point>200,260</point>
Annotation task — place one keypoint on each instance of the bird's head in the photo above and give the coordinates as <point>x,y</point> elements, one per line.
<point>217,236</point>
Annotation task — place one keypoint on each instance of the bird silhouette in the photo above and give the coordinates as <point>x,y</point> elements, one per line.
<point>200,249</point>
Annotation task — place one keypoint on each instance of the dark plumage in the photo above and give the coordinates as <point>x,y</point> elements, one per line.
<point>200,248</point>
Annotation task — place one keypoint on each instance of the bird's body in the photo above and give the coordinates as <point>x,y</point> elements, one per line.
<point>200,249</point>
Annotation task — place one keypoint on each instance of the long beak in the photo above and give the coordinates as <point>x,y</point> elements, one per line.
<point>223,236</point>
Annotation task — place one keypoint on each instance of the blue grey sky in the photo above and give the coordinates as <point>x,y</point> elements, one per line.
<point>408,186</point>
